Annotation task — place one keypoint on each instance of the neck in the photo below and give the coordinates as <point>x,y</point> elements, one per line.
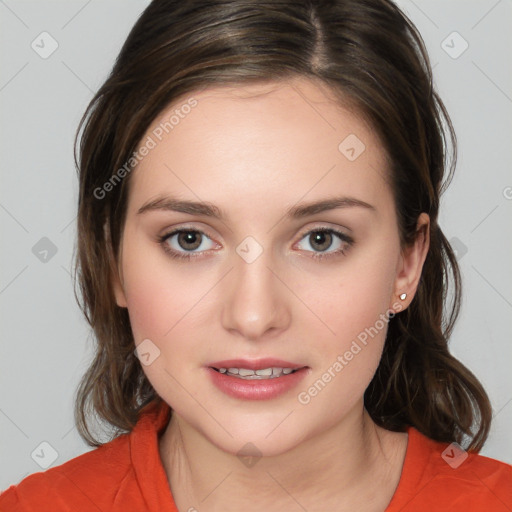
<point>353,465</point>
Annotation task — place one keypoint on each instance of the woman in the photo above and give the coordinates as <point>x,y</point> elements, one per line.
<point>260,258</point>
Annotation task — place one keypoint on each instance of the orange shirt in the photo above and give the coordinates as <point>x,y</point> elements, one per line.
<point>126,474</point>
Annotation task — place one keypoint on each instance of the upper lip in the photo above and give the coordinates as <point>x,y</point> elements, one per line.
<point>255,364</point>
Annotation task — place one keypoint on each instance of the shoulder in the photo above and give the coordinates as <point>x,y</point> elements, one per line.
<point>88,478</point>
<point>123,474</point>
<point>441,476</point>
<point>481,482</point>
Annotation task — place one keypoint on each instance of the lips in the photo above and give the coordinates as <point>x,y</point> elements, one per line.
<point>256,387</point>
<point>255,364</point>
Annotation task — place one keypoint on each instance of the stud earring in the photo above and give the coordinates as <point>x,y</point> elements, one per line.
<point>403,296</point>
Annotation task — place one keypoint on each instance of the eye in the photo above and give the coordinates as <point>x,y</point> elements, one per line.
<point>192,243</point>
<point>326,242</point>
<point>186,243</point>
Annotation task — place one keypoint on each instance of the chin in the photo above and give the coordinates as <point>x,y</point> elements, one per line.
<point>256,435</point>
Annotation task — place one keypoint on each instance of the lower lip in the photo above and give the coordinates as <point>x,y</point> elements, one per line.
<point>256,389</point>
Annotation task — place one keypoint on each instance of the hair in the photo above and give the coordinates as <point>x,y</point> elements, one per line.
<point>373,58</point>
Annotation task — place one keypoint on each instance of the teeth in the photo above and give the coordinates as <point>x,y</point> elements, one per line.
<point>245,373</point>
<point>266,372</point>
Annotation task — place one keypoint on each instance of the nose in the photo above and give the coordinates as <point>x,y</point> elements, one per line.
<point>256,301</point>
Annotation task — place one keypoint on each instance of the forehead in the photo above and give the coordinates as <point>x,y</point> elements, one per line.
<point>280,141</point>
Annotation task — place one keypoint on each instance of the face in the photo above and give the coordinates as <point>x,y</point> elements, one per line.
<point>257,276</point>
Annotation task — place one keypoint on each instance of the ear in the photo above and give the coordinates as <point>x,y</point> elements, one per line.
<point>116,278</point>
<point>410,263</point>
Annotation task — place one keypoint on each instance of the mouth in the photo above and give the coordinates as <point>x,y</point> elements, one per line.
<point>261,379</point>
<point>260,369</point>
<point>272,372</point>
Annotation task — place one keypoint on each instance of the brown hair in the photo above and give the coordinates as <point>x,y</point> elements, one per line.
<point>368,53</point>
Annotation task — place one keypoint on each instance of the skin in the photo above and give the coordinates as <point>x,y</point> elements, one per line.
<point>271,146</point>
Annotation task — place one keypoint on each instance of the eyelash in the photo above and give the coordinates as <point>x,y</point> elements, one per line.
<point>349,241</point>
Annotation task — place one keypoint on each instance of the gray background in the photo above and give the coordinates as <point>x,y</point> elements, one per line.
<point>45,343</point>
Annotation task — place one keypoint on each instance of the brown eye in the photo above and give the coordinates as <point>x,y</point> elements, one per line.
<point>320,240</point>
<point>186,242</point>
<point>325,242</point>
<point>189,240</point>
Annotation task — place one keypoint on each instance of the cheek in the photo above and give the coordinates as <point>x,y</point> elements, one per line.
<point>159,315</point>
<point>353,297</point>
<point>166,304</point>
<point>348,359</point>
<point>161,307</point>
<point>158,292</point>
<point>353,306</point>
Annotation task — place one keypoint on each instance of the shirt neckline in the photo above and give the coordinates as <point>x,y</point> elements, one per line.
<point>154,485</point>
<point>415,462</point>
<point>148,468</point>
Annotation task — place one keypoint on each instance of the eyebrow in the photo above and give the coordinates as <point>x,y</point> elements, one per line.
<point>210,210</point>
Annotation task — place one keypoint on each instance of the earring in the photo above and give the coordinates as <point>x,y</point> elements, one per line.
<point>403,296</point>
